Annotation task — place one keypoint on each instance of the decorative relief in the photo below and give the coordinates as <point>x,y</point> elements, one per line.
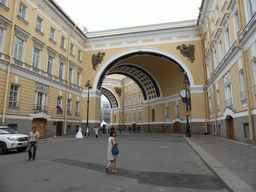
<point>41,88</point>
<point>118,91</point>
<point>187,51</point>
<point>97,59</point>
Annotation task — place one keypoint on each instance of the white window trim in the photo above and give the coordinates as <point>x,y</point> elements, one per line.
<point>3,24</point>
<point>42,24</point>
<point>248,17</point>
<point>54,34</point>
<point>18,95</point>
<point>26,11</point>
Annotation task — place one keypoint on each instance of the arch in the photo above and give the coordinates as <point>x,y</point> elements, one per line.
<point>140,51</point>
<point>111,96</point>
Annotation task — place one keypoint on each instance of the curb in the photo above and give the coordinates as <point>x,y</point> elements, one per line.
<point>234,182</point>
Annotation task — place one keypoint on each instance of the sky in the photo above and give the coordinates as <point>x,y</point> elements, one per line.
<point>98,15</point>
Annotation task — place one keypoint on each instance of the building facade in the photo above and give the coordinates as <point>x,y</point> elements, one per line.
<point>46,60</point>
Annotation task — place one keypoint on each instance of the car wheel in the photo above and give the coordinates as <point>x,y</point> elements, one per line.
<point>21,149</point>
<point>3,148</point>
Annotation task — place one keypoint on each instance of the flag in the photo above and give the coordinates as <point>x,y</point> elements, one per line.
<point>59,108</point>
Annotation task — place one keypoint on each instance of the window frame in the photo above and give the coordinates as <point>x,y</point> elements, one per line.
<point>39,25</point>
<point>13,100</point>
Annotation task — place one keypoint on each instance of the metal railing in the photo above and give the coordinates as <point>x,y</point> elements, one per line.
<point>40,107</point>
<point>243,96</point>
<point>229,102</point>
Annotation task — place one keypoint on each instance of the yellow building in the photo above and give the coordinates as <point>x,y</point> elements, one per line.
<point>46,60</point>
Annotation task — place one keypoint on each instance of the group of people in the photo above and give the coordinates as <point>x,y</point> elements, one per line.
<point>33,139</point>
<point>134,129</point>
<point>79,134</point>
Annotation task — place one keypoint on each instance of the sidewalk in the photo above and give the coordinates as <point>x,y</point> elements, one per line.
<point>234,162</point>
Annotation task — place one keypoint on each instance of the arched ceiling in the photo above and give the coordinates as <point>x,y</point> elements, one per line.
<point>110,96</point>
<point>128,65</point>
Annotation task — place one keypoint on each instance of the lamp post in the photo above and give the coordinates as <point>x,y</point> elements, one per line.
<point>187,100</point>
<point>88,84</point>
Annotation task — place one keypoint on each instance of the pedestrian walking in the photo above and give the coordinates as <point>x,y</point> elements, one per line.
<point>87,132</point>
<point>112,141</point>
<point>134,129</point>
<point>79,134</point>
<point>120,130</point>
<point>130,130</point>
<point>33,139</point>
<point>138,129</point>
<point>96,132</point>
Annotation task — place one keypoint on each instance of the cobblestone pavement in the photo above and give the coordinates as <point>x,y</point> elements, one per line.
<point>148,162</point>
<point>240,158</point>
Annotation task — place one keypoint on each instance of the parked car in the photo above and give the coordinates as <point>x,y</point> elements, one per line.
<point>10,139</point>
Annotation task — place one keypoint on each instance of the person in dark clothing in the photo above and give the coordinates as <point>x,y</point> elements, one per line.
<point>138,131</point>
<point>130,130</point>
<point>134,129</point>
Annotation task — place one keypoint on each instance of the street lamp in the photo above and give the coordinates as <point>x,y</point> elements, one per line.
<point>88,84</point>
<point>185,95</point>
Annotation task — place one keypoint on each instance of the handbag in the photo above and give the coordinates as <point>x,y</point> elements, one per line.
<point>115,150</point>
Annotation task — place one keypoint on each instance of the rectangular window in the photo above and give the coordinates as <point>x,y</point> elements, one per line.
<point>134,116</point>
<point>69,107</point>
<point>236,22</point>
<point>134,99</point>
<point>243,92</point>
<point>167,112</point>
<point>227,38</point>
<point>2,1</point>
<point>210,105</point>
<point>130,119</point>
<point>218,100</point>
<point>125,117</point>
<point>139,116</point>
<point>129,87</point>
<point>79,55</point>
<point>228,95</point>
<point>61,70</point>
<point>14,96</point>
<point>59,102</point>
<point>130,101</point>
<point>63,42</point>
<point>134,86</point>
<point>250,6</point>
<point>52,34</point>
<point>39,24</point>
<point>22,10</point>
<point>36,57</point>
<point>212,25</point>
<point>125,90</point>
<point>246,131</point>
<point>153,115</point>
<point>125,101</point>
<point>40,102</point>
<point>215,58</point>
<point>18,48</point>
<point>70,75</point>
<point>72,49</point>
<point>78,78</point>
<point>1,35</point>
<point>139,98</point>
<point>50,64</point>
<point>220,50</point>
<point>77,108</point>
<point>217,13</point>
<point>177,111</point>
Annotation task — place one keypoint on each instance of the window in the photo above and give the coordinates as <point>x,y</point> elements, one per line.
<point>52,34</point>
<point>250,9</point>
<point>130,119</point>
<point>208,70</point>
<point>228,95</point>
<point>243,92</point>
<point>167,112</point>
<point>23,11</point>
<point>217,13</point>
<point>13,126</point>
<point>125,101</point>
<point>215,58</point>
<point>72,49</point>
<point>227,38</point>
<point>59,102</point>
<point>134,116</point>
<point>130,101</point>
<point>2,1</point>
<point>210,105</point>
<point>218,100</point>
<point>125,117</point>
<point>36,57</point>
<point>18,49</point>
<point>40,101</point>
<point>61,70</point>
<point>246,131</point>
<point>220,50</point>
<point>177,110</point>
<point>139,116</point>
<point>139,94</point>
<point>69,107</point>
<point>134,86</point>
<point>78,78</point>
<point>70,75</point>
<point>212,25</point>
<point>125,90</point>
<point>153,115</point>
<point>50,64</point>
<point>14,96</point>
<point>1,36</point>
<point>63,42</point>
<point>39,24</point>
<point>129,87</point>
<point>134,99</point>
<point>77,108</point>
<point>236,22</point>
<point>79,55</point>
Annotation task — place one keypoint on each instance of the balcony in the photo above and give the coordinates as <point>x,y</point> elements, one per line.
<point>41,108</point>
<point>229,103</point>
<point>243,96</point>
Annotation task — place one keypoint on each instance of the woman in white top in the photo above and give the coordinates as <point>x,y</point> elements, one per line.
<point>79,134</point>
<point>112,158</point>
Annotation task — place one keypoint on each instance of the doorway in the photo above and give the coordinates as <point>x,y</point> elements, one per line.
<point>231,126</point>
<point>59,128</point>
<point>40,123</point>
<point>177,127</point>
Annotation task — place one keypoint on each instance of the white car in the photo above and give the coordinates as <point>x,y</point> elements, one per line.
<point>9,139</point>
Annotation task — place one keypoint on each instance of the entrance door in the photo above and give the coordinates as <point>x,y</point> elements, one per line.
<point>40,123</point>
<point>177,127</point>
<point>231,125</point>
<point>59,129</point>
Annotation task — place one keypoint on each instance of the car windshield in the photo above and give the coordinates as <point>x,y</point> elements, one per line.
<point>6,130</point>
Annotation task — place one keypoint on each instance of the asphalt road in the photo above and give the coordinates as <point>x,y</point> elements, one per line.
<point>148,162</point>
